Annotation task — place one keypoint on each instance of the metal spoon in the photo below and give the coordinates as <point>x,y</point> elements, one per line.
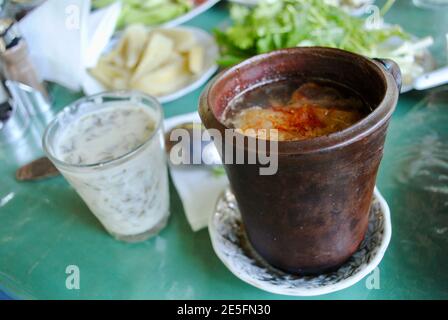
<point>36,170</point>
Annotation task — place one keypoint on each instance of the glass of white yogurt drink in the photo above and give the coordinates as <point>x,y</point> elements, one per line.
<point>110,148</point>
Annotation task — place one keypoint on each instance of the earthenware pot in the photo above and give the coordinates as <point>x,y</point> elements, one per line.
<point>312,214</point>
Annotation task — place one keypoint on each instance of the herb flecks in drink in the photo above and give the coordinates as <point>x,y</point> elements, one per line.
<point>105,135</point>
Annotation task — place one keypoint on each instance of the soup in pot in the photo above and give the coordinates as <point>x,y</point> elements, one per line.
<point>297,110</point>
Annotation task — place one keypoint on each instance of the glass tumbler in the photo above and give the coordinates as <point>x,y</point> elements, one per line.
<point>129,193</point>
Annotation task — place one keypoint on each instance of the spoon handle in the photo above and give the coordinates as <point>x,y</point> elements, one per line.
<point>432,79</point>
<point>38,169</point>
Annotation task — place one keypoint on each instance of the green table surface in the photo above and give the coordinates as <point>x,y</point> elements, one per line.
<point>45,226</point>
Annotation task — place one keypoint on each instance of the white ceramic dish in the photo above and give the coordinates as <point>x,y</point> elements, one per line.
<point>427,62</point>
<point>250,3</point>
<point>363,8</point>
<point>92,86</point>
<point>355,11</point>
<point>233,249</point>
<point>197,10</point>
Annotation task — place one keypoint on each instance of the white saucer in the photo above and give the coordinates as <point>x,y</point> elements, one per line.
<point>233,249</point>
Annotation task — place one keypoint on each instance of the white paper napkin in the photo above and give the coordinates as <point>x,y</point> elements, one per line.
<point>101,26</point>
<point>198,188</point>
<point>64,38</point>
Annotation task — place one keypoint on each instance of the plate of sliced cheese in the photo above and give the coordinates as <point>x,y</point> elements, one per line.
<point>166,63</point>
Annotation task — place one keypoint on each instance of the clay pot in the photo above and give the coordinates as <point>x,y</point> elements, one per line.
<point>312,215</point>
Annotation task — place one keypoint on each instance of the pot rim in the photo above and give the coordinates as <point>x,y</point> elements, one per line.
<point>374,120</point>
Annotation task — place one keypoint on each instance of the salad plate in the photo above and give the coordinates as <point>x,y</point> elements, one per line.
<point>423,63</point>
<point>354,7</point>
<point>232,247</point>
<point>197,10</point>
<point>91,85</point>
<point>157,13</point>
<point>247,34</point>
<point>426,62</point>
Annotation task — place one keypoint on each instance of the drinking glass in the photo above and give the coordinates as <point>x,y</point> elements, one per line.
<point>129,193</point>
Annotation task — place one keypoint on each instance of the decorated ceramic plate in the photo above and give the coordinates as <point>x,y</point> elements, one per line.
<point>234,250</point>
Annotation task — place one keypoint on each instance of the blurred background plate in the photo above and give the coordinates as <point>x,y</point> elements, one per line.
<point>427,62</point>
<point>197,10</point>
<point>360,7</point>
<point>157,13</point>
<point>91,86</point>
